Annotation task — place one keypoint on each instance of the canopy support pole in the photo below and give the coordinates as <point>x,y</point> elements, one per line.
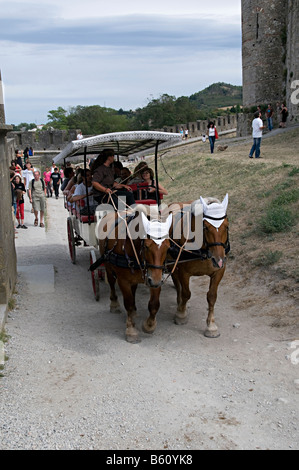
<point>87,196</point>
<point>156,174</point>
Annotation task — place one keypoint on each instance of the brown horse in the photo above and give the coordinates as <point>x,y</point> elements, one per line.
<point>134,258</point>
<point>210,260</point>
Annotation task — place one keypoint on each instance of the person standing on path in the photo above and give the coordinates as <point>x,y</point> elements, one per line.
<point>47,180</point>
<point>56,178</point>
<point>257,133</point>
<point>284,115</point>
<point>269,116</point>
<point>28,175</point>
<point>37,195</point>
<point>19,189</point>
<point>212,135</point>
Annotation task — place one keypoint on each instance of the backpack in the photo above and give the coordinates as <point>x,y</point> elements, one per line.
<point>43,184</point>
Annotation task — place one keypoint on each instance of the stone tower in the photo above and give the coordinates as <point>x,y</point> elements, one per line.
<point>292,60</point>
<point>263,26</point>
<point>270,51</point>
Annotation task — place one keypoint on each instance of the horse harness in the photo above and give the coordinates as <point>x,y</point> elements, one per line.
<point>125,261</point>
<point>176,251</point>
<point>203,253</point>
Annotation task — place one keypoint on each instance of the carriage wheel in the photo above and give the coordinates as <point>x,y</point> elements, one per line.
<point>71,240</point>
<point>95,279</point>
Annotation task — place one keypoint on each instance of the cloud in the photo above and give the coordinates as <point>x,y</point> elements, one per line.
<point>137,31</point>
<point>118,61</point>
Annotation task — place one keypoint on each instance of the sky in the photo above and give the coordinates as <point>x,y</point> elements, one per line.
<point>117,54</point>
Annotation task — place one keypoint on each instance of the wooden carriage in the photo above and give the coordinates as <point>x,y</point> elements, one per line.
<point>81,225</point>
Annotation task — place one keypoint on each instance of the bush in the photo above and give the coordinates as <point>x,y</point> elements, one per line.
<point>268,258</point>
<point>294,171</point>
<point>277,219</point>
<point>286,198</point>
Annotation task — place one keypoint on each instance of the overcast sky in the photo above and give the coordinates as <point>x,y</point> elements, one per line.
<point>113,53</point>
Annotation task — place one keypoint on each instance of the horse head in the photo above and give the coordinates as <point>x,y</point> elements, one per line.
<point>215,230</point>
<point>155,245</point>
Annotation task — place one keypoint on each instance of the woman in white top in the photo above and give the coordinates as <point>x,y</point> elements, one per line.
<point>212,135</point>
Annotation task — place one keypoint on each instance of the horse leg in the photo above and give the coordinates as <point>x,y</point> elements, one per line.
<point>132,335</point>
<point>150,324</point>
<point>114,304</point>
<point>177,285</point>
<point>212,329</point>
<point>181,317</point>
<point>134,288</point>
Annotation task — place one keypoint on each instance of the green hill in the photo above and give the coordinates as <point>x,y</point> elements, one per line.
<point>218,95</point>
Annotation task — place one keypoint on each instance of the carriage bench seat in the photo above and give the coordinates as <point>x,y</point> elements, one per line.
<point>139,191</point>
<point>84,218</point>
<point>147,202</point>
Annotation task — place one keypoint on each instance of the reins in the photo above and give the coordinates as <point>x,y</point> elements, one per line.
<point>128,232</point>
<point>202,253</point>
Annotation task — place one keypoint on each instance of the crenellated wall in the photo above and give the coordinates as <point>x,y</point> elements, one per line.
<point>198,128</point>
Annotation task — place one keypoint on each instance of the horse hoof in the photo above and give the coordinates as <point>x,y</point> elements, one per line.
<point>148,330</point>
<point>133,339</point>
<point>212,334</point>
<point>115,310</point>
<point>181,320</point>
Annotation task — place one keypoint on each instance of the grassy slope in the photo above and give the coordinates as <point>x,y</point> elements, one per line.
<point>256,189</point>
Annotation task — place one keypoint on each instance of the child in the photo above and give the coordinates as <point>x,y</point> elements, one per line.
<point>19,192</point>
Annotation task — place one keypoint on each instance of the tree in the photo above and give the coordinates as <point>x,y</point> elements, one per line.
<point>24,126</point>
<point>58,118</point>
<point>94,120</point>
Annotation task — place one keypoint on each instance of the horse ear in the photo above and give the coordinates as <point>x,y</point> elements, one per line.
<point>169,222</point>
<point>145,222</point>
<point>225,203</point>
<point>204,205</point>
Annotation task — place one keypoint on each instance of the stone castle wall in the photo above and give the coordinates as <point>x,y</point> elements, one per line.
<point>8,270</point>
<point>198,128</point>
<point>43,140</point>
<point>47,144</point>
<point>270,53</point>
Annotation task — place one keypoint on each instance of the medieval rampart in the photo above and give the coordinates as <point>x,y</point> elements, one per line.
<point>7,248</point>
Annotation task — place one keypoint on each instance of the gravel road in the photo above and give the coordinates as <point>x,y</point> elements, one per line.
<point>71,380</point>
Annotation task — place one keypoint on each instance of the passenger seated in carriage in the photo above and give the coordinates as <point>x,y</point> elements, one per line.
<point>71,187</point>
<point>136,178</point>
<point>79,194</point>
<point>74,180</point>
<point>68,175</point>
<point>147,176</point>
<point>118,166</point>
<point>106,189</point>
<point>125,175</point>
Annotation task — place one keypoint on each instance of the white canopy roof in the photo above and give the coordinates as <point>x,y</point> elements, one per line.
<point>123,143</point>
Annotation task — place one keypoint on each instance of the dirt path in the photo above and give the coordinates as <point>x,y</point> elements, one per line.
<point>73,382</point>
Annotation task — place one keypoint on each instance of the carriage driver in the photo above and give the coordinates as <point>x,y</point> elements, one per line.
<point>106,189</point>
